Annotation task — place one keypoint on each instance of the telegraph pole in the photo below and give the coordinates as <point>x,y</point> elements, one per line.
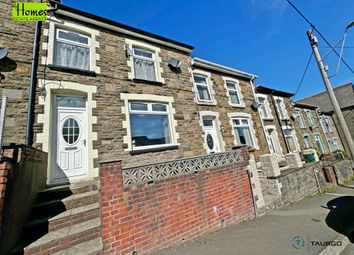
<point>314,42</point>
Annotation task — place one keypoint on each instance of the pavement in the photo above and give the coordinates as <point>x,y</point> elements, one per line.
<point>297,229</point>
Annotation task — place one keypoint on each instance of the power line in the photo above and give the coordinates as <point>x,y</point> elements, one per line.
<point>304,74</point>
<point>319,33</point>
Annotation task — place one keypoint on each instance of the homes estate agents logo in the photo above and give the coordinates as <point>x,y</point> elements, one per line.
<point>29,11</point>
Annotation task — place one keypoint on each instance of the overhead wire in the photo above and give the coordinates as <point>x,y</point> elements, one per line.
<point>320,34</point>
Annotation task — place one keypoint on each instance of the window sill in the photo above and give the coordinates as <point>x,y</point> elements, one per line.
<point>72,70</point>
<point>206,103</point>
<point>157,149</point>
<point>267,118</point>
<point>148,82</point>
<point>238,105</point>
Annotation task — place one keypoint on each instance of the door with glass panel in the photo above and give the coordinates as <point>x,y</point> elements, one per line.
<point>70,131</point>
<point>273,141</point>
<point>319,143</point>
<point>211,135</point>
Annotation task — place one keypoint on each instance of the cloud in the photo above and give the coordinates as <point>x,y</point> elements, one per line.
<point>275,8</point>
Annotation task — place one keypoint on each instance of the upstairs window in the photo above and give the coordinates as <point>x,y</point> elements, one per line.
<point>144,64</point>
<point>323,124</point>
<point>281,108</point>
<point>72,50</point>
<point>149,124</point>
<point>264,108</point>
<point>243,131</point>
<point>310,119</point>
<point>328,124</point>
<point>202,86</point>
<point>300,118</point>
<point>234,93</point>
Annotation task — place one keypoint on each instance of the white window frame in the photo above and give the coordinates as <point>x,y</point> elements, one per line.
<point>277,143</point>
<point>130,97</point>
<point>67,30</point>
<point>208,86</point>
<point>150,111</point>
<point>237,90</point>
<point>337,144</point>
<point>234,116</point>
<point>323,124</point>
<point>56,24</point>
<point>293,135</point>
<point>283,113</point>
<point>315,136</point>
<point>129,48</point>
<point>153,59</point>
<point>300,118</point>
<point>310,118</point>
<point>328,124</point>
<point>266,107</point>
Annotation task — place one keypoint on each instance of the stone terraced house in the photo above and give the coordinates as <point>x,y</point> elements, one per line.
<point>106,92</point>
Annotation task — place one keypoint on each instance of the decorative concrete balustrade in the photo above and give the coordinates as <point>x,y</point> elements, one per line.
<point>178,167</point>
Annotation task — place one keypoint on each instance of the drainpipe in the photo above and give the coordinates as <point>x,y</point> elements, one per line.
<point>32,85</point>
<point>279,121</point>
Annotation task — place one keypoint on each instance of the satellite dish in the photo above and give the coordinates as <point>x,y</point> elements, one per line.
<point>3,52</point>
<point>295,115</point>
<point>175,63</point>
<point>256,104</point>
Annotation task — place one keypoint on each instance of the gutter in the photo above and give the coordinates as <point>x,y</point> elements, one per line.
<point>220,68</point>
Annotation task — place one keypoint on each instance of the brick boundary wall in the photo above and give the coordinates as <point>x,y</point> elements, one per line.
<point>149,217</point>
<point>4,168</point>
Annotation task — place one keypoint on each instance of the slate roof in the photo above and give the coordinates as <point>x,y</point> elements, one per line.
<point>344,94</point>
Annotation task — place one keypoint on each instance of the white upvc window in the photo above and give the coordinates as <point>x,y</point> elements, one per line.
<point>264,109</point>
<point>323,124</point>
<point>243,131</point>
<point>150,125</point>
<point>234,93</point>
<point>328,123</point>
<point>336,144</point>
<point>318,142</point>
<point>290,137</point>
<point>144,64</point>
<point>307,141</point>
<point>72,49</point>
<point>300,118</point>
<point>283,114</point>
<point>202,86</point>
<point>310,118</point>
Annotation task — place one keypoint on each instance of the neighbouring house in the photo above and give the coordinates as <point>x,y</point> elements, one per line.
<point>275,110</point>
<point>345,96</point>
<point>330,131</point>
<point>309,129</point>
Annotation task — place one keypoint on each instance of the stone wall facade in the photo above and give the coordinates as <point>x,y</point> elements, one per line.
<point>17,37</point>
<point>153,215</point>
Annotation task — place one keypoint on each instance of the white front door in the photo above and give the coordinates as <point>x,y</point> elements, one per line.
<point>211,135</point>
<point>272,141</point>
<point>70,162</point>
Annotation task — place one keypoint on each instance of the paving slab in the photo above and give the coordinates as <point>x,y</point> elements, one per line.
<point>299,228</point>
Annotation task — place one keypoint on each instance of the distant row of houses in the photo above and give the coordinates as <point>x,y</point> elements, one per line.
<point>105,90</point>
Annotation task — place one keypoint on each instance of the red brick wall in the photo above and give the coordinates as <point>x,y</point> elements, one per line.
<point>4,167</point>
<point>148,217</point>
